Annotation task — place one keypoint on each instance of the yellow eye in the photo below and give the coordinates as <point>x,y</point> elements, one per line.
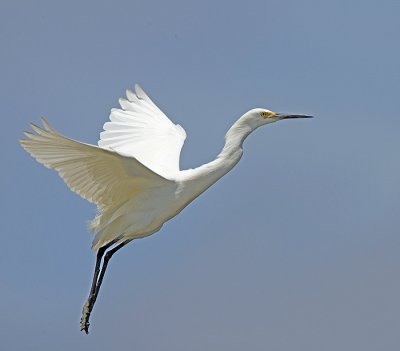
<point>267,114</point>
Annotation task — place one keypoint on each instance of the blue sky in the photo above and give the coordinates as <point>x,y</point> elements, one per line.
<point>296,249</point>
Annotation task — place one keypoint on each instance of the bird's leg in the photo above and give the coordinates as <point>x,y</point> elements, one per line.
<point>99,256</point>
<point>107,258</point>
<point>87,309</point>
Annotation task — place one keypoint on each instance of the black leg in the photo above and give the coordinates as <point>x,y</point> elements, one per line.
<point>97,280</point>
<point>86,307</point>
<point>107,258</point>
<point>99,256</point>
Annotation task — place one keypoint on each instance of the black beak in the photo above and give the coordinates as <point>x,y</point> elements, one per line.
<point>286,116</point>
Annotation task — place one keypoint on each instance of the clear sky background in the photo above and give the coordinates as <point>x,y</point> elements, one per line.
<point>298,248</point>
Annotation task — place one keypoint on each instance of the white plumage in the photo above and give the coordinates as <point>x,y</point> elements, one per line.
<point>140,129</point>
<point>133,176</point>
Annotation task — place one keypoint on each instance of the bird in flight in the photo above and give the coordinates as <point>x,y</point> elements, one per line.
<point>133,174</point>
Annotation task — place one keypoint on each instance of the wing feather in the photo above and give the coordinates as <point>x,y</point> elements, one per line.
<point>101,176</point>
<point>141,130</point>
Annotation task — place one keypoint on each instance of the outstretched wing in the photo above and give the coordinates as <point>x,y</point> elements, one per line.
<point>140,129</point>
<point>103,177</point>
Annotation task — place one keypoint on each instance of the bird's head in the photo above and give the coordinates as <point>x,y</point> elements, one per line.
<point>260,116</point>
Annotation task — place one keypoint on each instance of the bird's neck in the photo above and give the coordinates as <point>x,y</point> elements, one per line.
<point>209,173</point>
<point>234,139</point>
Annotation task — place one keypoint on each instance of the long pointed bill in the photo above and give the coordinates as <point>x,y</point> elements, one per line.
<point>287,116</point>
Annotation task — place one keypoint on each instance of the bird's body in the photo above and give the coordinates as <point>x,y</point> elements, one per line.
<point>146,212</point>
<point>133,176</point>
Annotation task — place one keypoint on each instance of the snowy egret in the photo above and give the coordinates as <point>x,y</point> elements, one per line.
<point>133,174</point>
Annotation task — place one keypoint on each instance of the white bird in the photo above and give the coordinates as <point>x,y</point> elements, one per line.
<point>133,174</point>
